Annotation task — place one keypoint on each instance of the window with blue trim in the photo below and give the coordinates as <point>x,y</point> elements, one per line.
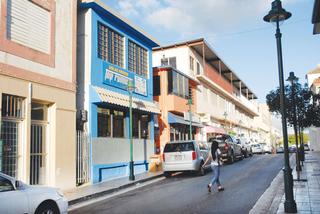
<point>110,45</point>
<point>137,59</point>
<point>141,125</point>
<point>111,123</point>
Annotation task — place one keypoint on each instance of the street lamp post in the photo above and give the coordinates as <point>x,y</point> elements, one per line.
<point>225,114</point>
<point>190,117</point>
<point>278,14</point>
<point>293,80</point>
<point>131,88</point>
<point>240,134</point>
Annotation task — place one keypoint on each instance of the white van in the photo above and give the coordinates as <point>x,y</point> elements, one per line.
<point>181,156</point>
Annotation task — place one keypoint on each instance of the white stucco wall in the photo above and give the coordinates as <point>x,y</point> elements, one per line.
<point>314,135</point>
<point>311,78</point>
<point>115,150</point>
<point>84,59</point>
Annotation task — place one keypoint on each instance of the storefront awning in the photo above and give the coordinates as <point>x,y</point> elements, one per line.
<point>123,100</point>
<point>172,118</point>
<point>213,129</point>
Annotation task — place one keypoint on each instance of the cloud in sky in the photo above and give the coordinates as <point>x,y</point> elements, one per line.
<point>194,18</point>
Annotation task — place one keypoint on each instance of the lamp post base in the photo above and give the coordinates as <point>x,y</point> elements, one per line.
<point>290,205</point>
<point>131,175</point>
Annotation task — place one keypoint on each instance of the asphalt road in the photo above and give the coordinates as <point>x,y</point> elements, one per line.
<point>244,181</point>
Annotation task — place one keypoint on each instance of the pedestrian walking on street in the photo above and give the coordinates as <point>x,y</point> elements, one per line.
<point>214,157</point>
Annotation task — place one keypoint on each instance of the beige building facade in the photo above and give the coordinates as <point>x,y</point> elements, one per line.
<point>37,91</point>
<point>313,78</point>
<point>263,124</point>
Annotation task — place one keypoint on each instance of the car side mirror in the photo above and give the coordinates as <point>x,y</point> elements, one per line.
<point>18,184</point>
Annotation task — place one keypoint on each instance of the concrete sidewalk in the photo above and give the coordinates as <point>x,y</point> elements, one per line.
<point>306,194</point>
<point>88,192</point>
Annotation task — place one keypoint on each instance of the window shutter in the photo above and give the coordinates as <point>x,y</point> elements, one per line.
<point>28,24</point>
<point>173,62</point>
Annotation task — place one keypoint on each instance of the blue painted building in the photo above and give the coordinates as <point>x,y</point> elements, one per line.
<point>111,53</point>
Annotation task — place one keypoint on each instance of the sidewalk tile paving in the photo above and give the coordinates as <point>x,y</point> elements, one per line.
<point>307,194</point>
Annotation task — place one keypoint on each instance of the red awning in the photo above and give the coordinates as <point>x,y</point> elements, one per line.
<point>212,129</point>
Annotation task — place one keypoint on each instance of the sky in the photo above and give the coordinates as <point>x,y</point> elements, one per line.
<point>236,31</point>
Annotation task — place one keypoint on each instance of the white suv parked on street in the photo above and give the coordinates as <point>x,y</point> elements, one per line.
<point>185,156</point>
<point>266,148</point>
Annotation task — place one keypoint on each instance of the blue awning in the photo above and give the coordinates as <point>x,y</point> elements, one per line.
<point>172,118</point>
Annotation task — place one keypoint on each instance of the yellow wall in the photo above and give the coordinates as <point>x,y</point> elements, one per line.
<point>61,130</point>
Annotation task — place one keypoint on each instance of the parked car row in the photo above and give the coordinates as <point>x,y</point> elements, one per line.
<point>261,148</point>
<point>179,156</point>
<point>246,147</point>
<point>292,148</point>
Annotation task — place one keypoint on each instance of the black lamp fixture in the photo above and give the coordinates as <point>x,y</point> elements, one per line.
<point>276,15</point>
<point>292,78</point>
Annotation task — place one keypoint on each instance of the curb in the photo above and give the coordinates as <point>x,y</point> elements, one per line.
<point>270,200</point>
<point>110,191</point>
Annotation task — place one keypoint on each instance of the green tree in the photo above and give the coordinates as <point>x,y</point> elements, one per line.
<point>307,110</point>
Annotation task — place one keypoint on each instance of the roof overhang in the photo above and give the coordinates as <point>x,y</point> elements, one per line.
<point>316,17</point>
<point>115,98</point>
<point>314,71</point>
<point>203,48</point>
<point>175,119</point>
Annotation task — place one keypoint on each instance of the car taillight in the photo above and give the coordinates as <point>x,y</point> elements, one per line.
<point>194,155</point>
<point>163,157</point>
<point>226,146</point>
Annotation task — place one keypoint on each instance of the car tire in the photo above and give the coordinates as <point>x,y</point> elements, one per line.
<point>246,154</point>
<point>167,174</point>
<point>47,207</point>
<point>231,158</point>
<point>201,171</point>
